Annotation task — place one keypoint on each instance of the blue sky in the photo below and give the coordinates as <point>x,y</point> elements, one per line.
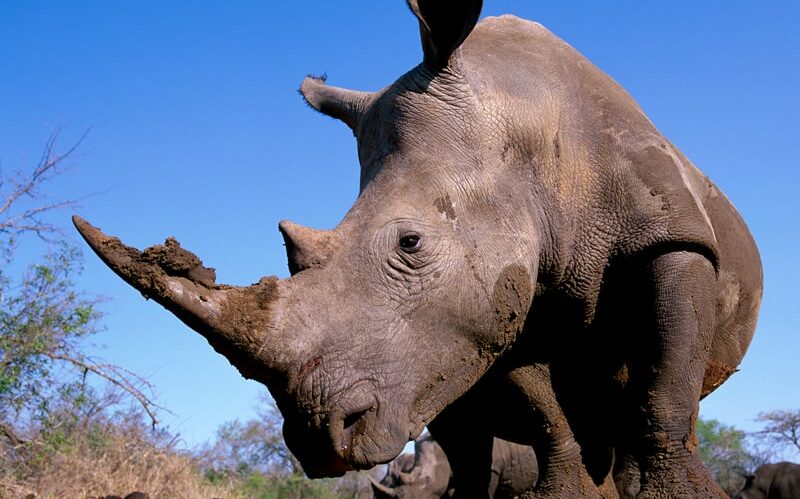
<point>197,132</point>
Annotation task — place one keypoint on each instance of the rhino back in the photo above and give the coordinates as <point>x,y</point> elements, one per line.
<point>615,186</point>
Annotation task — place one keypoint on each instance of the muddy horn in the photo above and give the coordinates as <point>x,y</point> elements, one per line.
<point>236,321</point>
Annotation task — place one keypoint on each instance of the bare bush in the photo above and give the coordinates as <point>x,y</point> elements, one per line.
<point>781,433</point>
<point>44,319</point>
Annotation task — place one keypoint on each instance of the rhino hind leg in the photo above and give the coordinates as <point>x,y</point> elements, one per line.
<point>676,339</point>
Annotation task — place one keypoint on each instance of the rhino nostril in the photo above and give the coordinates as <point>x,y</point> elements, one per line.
<point>354,418</point>
<point>354,424</point>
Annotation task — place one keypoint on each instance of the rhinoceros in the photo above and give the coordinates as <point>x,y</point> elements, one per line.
<point>422,475</point>
<point>426,474</point>
<point>772,481</point>
<point>528,258</point>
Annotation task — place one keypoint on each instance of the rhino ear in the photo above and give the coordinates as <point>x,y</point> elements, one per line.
<point>342,104</point>
<point>443,26</point>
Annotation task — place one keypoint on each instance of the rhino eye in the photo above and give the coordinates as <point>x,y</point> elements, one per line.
<point>410,243</point>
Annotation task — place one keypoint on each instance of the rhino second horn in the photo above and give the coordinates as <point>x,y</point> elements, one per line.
<point>344,105</point>
<point>177,280</point>
<point>306,248</point>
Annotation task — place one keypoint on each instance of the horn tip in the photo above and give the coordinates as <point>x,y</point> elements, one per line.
<point>91,234</point>
<point>80,223</point>
<point>111,250</point>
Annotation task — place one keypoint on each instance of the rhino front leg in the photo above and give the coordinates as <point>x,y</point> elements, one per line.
<point>562,472</point>
<point>462,431</point>
<point>681,316</point>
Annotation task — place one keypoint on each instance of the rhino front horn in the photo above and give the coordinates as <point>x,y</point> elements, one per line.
<point>177,280</point>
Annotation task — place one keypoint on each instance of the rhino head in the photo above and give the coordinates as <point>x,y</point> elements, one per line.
<point>402,307</point>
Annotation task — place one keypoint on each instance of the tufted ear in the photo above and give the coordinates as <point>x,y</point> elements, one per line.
<point>443,26</point>
<point>342,104</point>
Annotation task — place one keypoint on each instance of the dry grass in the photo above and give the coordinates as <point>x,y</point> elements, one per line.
<point>98,454</point>
<point>104,461</point>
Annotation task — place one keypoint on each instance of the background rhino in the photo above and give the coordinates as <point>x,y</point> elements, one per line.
<point>772,481</point>
<point>427,473</point>
<point>528,257</point>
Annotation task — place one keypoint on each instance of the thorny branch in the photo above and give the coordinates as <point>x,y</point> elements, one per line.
<point>26,186</point>
<point>782,427</point>
<point>130,382</point>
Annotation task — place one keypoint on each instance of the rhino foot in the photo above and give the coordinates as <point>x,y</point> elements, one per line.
<point>670,479</point>
<point>567,480</point>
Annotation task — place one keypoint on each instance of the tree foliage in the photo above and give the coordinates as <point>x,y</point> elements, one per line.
<point>254,446</point>
<point>41,323</point>
<point>44,319</point>
<point>724,451</point>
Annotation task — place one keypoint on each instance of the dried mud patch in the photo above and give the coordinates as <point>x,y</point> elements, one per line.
<point>716,374</point>
<point>510,299</point>
<point>178,262</point>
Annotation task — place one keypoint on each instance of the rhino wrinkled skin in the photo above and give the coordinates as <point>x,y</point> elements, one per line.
<point>528,258</point>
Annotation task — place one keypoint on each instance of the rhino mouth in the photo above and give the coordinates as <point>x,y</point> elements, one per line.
<point>346,435</point>
<point>312,447</point>
<point>362,432</point>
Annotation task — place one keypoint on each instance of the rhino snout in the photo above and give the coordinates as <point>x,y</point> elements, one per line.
<point>354,430</point>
